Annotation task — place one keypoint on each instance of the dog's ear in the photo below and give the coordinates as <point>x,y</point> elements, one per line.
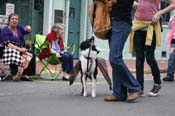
<point>85,44</point>
<point>92,38</point>
<point>95,49</point>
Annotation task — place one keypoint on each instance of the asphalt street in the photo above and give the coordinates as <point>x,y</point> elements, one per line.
<point>57,98</point>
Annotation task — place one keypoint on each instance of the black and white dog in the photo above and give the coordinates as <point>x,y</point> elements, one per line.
<point>88,59</point>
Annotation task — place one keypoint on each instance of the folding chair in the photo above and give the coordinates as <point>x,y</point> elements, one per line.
<point>40,44</point>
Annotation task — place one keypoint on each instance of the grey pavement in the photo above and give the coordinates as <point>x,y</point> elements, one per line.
<point>57,98</point>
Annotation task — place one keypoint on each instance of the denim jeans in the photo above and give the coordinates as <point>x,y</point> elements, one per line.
<point>143,50</point>
<point>67,62</point>
<point>171,63</point>
<point>123,79</point>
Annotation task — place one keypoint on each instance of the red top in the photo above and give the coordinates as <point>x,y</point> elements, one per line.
<point>51,36</point>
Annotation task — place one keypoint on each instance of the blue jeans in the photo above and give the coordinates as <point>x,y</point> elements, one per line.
<point>123,79</point>
<point>67,62</point>
<point>171,63</point>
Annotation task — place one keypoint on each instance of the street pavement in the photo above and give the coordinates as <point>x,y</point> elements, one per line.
<point>57,98</point>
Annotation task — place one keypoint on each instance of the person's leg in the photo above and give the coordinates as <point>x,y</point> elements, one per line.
<point>154,68</point>
<point>30,70</point>
<point>14,71</point>
<point>171,65</point>
<point>139,45</point>
<point>152,62</point>
<point>121,74</point>
<point>63,61</point>
<point>69,62</point>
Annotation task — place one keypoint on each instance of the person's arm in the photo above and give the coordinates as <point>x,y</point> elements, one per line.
<point>24,29</point>
<point>90,12</point>
<point>169,8</point>
<point>10,45</point>
<point>135,5</point>
<point>55,49</point>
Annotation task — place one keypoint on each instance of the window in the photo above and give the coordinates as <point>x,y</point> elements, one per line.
<point>72,13</point>
<point>3,1</point>
<point>163,54</point>
<point>58,18</point>
<point>38,4</point>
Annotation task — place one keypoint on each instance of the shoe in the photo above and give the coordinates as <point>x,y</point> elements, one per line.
<point>111,98</point>
<point>16,78</point>
<point>65,79</point>
<point>133,96</point>
<point>141,93</point>
<point>168,79</point>
<point>6,77</point>
<point>155,90</point>
<point>26,78</point>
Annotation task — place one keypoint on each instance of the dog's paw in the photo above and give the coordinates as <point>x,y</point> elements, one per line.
<point>85,94</point>
<point>93,95</point>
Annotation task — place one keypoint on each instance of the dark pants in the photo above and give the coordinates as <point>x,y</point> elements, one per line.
<point>171,63</point>
<point>13,69</point>
<point>30,70</point>
<point>67,62</point>
<point>143,51</point>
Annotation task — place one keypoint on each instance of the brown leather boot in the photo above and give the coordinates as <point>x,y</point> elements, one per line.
<point>111,98</point>
<point>132,96</point>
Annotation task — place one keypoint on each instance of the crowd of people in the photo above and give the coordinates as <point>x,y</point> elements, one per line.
<point>144,33</point>
<point>12,39</point>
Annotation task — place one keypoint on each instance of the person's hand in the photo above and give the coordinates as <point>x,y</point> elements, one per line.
<point>22,49</point>
<point>10,45</point>
<point>156,17</point>
<point>135,5</point>
<point>28,28</point>
<point>58,55</point>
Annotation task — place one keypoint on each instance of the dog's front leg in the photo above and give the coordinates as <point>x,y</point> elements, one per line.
<point>93,92</point>
<point>84,85</point>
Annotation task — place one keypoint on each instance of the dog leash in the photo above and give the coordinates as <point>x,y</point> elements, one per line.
<point>88,68</point>
<point>92,41</point>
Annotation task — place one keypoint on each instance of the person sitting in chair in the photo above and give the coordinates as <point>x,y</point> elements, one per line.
<point>12,37</point>
<point>57,47</point>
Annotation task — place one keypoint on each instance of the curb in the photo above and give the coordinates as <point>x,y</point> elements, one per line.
<point>133,70</point>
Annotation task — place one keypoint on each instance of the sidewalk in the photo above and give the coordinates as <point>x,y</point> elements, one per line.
<point>130,63</point>
<point>162,66</point>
